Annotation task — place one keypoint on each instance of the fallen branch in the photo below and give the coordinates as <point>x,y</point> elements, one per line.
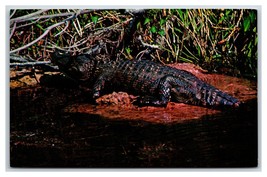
<point>43,64</point>
<point>31,63</point>
<point>22,61</point>
<point>18,58</point>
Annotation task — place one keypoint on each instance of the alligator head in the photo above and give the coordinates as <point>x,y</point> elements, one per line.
<point>71,66</point>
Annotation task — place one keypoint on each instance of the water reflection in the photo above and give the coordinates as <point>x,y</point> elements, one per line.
<point>228,139</point>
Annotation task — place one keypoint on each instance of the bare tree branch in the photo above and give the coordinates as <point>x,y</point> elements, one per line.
<point>43,35</point>
<point>34,17</point>
<point>14,11</point>
<point>39,38</point>
<point>27,17</point>
<point>31,63</point>
<point>13,30</point>
<point>18,58</point>
<point>67,25</point>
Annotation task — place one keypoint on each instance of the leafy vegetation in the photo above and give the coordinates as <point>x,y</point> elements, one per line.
<point>219,40</point>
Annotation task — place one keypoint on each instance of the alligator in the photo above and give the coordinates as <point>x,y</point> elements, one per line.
<point>154,83</point>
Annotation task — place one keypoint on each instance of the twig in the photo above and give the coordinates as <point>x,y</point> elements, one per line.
<point>159,57</point>
<point>28,24</point>
<point>193,34</point>
<point>95,50</point>
<point>135,11</point>
<point>147,45</point>
<point>13,30</point>
<point>31,63</point>
<point>78,31</point>
<point>78,43</point>
<point>74,23</point>
<point>234,29</point>
<point>218,27</point>
<point>43,64</point>
<point>179,51</point>
<point>140,54</point>
<point>31,17</point>
<point>81,32</point>
<point>13,13</point>
<point>68,23</point>
<point>27,17</point>
<point>240,17</point>
<point>39,38</point>
<point>43,35</point>
<point>18,58</point>
<point>168,43</point>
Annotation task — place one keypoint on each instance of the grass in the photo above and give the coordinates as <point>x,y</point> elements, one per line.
<point>218,40</point>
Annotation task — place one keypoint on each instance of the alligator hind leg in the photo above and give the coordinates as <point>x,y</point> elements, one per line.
<point>164,93</point>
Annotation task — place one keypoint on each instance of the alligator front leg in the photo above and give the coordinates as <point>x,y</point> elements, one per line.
<point>100,84</point>
<point>151,101</point>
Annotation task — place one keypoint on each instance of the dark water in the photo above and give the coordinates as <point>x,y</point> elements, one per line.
<point>42,135</point>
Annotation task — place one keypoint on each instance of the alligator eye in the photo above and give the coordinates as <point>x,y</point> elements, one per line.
<point>61,53</point>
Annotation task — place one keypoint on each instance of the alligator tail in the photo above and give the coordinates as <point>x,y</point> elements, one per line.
<point>205,95</point>
<point>216,97</point>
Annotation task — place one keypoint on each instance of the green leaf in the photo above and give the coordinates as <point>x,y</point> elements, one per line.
<point>246,24</point>
<point>227,12</point>
<point>162,21</point>
<point>39,26</point>
<point>255,29</point>
<point>138,26</point>
<point>161,32</point>
<point>128,50</point>
<point>221,19</point>
<point>225,34</point>
<point>216,56</point>
<point>177,29</point>
<point>147,20</point>
<point>94,19</point>
<point>181,14</point>
<point>198,50</point>
<point>153,29</point>
<point>252,16</point>
<point>249,53</point>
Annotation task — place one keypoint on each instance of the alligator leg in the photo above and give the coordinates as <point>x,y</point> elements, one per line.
<point>151,101</point>
<point>100,83</point>
<point>164,92</point>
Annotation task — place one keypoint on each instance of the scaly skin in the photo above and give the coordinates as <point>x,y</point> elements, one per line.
<point>156,84</point>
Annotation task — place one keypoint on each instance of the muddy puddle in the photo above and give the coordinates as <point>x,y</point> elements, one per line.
<point>58,126</point>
